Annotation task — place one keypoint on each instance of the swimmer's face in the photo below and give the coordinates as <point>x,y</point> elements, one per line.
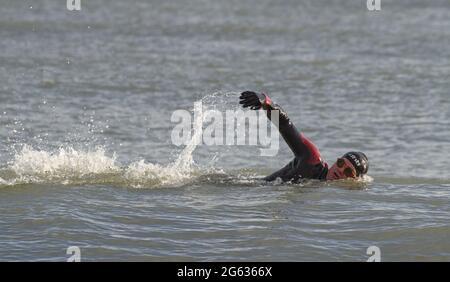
<point>341,169</point>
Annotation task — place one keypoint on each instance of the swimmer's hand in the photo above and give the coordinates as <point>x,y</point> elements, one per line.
<point>254,100</point>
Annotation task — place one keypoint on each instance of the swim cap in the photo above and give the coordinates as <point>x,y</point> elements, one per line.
<point>359,161</point>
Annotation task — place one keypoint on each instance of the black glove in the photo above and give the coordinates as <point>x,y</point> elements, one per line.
<point>253,100</point>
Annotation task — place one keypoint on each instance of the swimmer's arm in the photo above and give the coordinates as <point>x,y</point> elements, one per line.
<point>302,148</point>
<point>295,140</point>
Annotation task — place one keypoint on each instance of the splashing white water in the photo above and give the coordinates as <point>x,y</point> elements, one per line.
<point>65,163</point>
<point>176,173</point>
<point>367,178</point>
<point>70,166</point>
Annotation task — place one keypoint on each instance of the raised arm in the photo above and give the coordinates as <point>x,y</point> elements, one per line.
<point>301,146</point>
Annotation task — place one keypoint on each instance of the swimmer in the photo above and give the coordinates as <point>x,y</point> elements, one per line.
<point>307,163</point>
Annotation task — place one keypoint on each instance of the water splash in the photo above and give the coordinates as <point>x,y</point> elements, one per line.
<point>71,166</point>
<point>65,163</point>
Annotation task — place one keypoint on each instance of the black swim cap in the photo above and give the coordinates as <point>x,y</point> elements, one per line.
<point>359,161</point>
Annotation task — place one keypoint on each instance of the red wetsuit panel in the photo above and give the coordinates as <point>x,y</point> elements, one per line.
<point>314,154</point>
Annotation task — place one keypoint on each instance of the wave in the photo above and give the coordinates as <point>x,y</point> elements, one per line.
<point>68,166</point>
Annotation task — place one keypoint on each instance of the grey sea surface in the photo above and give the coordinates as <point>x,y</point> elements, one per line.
<point>86,157</point>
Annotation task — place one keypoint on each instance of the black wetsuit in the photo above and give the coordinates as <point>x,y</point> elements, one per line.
<point>307,162</point>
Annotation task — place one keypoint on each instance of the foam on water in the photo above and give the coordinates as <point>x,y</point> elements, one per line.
<point>65,163</point>
<point>71,166</point>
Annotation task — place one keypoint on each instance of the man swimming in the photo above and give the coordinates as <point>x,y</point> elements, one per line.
<point>308,163</point>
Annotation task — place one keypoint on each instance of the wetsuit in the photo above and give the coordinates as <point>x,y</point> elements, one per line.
<point>307,162</point>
